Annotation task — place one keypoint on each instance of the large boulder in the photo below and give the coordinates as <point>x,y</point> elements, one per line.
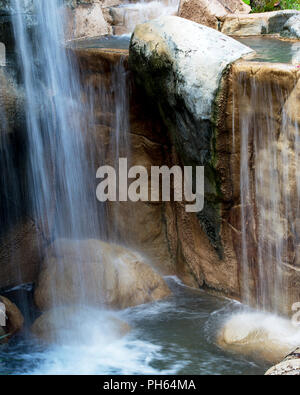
<point>98,274</point>
<point>180,64</point>
<point>14,320</point>
<point>211,12</point>
<point>259,335</point>
<point>80,324</point>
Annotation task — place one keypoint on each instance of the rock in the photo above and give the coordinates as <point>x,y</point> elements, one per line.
<point>276,22</point>
<point>80,324</point>
<point>15,320</point>
<point>86,21</point>
<point>291,28</point>
<point>290,366</point>
<point>211,12</point>
<point>11,105</point>
<point>126,17</point>
<point>170,58</point>
<point>97,273</point>
<point>260,335</point>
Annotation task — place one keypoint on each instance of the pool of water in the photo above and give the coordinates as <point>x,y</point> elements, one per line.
<point>273,50</point>
<point>267,49</point>
<point>174,336</point>
<point>105,42</point>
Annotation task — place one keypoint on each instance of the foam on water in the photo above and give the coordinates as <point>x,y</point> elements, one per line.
<point>264,335</point>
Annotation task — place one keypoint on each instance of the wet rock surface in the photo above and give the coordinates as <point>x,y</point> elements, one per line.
<point>277,22</point>
<point>290,366</point>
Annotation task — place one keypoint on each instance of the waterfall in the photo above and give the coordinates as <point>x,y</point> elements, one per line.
<point>132,14</point>
<point>59,172</point>
<point>56,126</point>
<point>268,190</point>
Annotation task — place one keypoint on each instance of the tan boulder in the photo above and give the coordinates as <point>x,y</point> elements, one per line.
<point>69,324</point>
<point>98,274</point>
<point>211,12</point>
<point>14,320</point>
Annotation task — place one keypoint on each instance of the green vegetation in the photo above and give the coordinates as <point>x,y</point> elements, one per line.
<point>273,5</point>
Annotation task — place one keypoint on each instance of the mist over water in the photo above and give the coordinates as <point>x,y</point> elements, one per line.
<point>174,336</point>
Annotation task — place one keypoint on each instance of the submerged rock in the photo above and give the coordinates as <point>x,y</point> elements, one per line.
<point>260,335</point>
<point>14,320</point>
<point>80,324</point>
<point>98,274</point>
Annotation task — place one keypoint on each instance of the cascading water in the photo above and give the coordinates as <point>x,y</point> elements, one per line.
<point>56,125</point>
<point>268,141</point>
<point>59,176</point>
<point>268,199</point>
<point>127,16</point>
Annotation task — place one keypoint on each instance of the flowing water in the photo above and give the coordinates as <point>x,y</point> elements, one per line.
<point>269,189</point>
<point>174,336</point>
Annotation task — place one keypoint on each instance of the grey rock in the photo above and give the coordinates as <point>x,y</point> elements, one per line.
<point>291,28</point>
